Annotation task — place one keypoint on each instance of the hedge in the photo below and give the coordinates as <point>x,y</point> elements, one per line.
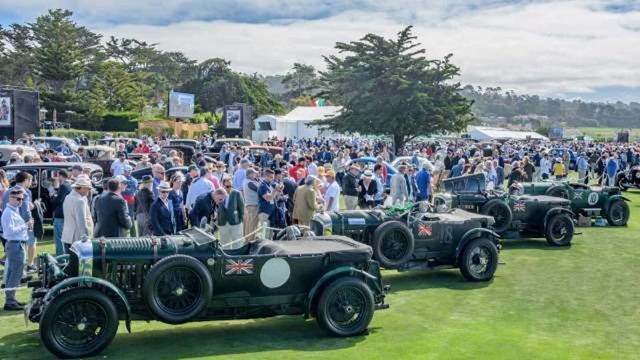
<point>120,121</point>
<point>91,135</point>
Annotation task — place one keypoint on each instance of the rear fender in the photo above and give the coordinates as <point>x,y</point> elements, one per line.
<point>92,282</point>
<point>336,273</point>
<point>474,234</point>
<point>555,211</point>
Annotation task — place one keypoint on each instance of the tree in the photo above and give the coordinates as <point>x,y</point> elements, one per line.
<point>63,49</point>
<point>302,80</point>
<point>388,87</point>
<point>118,89</point>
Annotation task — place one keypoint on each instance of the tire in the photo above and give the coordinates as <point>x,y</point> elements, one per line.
<point>393,244</point>
<point>345,307</point>
<point>479,260</point>
<point>559,230</point>
<point>177,289</point>
<point>618,213</point>
<point>557,191</point>
<point>500,212</point>
<point>70,319</point>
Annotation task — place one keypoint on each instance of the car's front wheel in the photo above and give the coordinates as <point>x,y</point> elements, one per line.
<point>479,260</point>
<point>79,323</point>
<point>618,213</point>
<point>559,230</point>
<point>345,307</point>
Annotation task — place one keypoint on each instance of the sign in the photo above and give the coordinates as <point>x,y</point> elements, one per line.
<point>5,111</point>
<point>233,118</point>
<point>181,105</point>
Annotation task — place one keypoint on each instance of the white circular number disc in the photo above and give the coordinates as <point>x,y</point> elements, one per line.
<point>593,198</point>
<point>275,273</point>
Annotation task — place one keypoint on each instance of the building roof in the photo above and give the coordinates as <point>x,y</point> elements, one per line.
<point>483,132</point>
<point>310,113</point>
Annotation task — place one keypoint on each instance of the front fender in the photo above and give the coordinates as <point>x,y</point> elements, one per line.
<point>92,282</point>
<point>474,234</point>
<point>555,211</point>
<point>612,199</point>
<point>370,279</point>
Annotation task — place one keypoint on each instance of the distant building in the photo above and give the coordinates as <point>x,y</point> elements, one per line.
<point>295,123</point>
<point>482,133</point>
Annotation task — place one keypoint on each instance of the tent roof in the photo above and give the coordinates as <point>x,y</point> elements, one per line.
<point>309,113</point>
<point>500,133</point>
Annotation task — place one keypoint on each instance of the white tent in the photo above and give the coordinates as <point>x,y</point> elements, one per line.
<point>295,123</point>
<point>482,133</point>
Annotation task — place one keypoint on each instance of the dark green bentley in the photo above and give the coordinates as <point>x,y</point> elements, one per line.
<point>413,238</point>
<point>585,199</point>
<point>79,299</point>
<point>532,215</point>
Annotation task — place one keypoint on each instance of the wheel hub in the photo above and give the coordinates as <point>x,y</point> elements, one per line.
<point>348,309</point>
<point>81,326</point>
<point>179,291</point>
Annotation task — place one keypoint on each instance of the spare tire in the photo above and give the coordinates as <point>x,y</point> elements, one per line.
<point>393,244</point>
<point>557,191</point>
<point>177,289</point>
<point>500,212</point>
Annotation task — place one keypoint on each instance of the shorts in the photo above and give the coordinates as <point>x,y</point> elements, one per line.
<point>32,239</point>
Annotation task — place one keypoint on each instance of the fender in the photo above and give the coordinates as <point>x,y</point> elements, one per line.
<point>612,198</point>
<point>333,274</point>
<point>557,210</point>
<point>92,282</point>
<point>474,234</point>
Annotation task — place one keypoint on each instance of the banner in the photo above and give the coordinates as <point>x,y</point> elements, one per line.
<point>234,117</point>
<point>5,111</point>
<point>181,105</point>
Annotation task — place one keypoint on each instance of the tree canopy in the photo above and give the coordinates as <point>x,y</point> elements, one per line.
<point>389,87</point>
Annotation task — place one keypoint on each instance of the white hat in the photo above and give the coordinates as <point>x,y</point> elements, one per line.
<point>164,186</point>
<point>368,173</point>
<point>121,179</point>
<point>82,181</point>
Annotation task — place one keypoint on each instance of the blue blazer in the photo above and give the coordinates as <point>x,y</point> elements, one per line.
<point>160,217</point>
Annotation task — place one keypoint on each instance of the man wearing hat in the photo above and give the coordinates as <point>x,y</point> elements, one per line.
<point>143,202</point>
<point>163,220</point>
<point>78,222</point>
<point>368,190</point>
<point>117,166</point>
<point>350,187</point>
<point>112,215</point>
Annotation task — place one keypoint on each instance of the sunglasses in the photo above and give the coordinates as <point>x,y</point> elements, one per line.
<point>19,198</point>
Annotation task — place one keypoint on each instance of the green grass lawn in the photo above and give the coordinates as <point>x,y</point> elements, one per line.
<point>608,134</point>
<point>544,303</point>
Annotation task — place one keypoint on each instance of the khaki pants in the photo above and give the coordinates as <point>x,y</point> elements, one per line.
<point>230,233</point>
<point>250,221</point>
<point>351,202</point>
<point>263,221</point>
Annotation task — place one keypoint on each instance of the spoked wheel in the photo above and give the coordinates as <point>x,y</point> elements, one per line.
<point>79,323</point>
<point>345,308</point>
<point>393,244</point>
<point>178,288</point>
<point>479,260</point>
<point>618,214</point>
<point>559,230</point>
<point>500,212</point>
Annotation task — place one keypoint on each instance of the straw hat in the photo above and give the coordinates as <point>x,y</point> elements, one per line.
<point>82,181</point>
<point>368,173</point>
<point>164,186</point>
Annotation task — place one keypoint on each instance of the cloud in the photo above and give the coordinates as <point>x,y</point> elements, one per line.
<point>551,48</point>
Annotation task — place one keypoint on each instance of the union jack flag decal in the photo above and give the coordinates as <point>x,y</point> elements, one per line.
<point>239,267</point>
<point>425,230</point>
<point>519,206</point>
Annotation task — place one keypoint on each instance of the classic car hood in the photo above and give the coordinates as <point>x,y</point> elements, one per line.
<point>459,216</point>
<point>545,199</point>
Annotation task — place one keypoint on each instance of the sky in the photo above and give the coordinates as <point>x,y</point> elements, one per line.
<point>588,49</point>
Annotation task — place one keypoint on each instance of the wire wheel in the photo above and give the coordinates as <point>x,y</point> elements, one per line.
<point>178,290</point>
<point>618,214</point>
<point>479,260</point>
<point>345,308</point>
<point>559,230</point>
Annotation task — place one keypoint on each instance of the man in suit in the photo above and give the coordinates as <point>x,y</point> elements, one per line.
<point>399,191</point>
<point>163,220</point>
<point>78,222</point>
<point>304,203</point>
<point>111,211</point>
<point>57,201</point>
<point>230,208</point>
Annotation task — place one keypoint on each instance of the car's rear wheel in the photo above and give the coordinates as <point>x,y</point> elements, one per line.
<point>559,230</point>
<point>79,323</point>
<point>479,260</point>
<point>177,289</point>
<point>345,307</point>
<point>500,212</point>
<point>558,191</point>
<point>618,213</point>
<point>393,244</point>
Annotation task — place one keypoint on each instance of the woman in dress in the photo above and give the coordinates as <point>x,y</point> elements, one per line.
<point>176,197</point>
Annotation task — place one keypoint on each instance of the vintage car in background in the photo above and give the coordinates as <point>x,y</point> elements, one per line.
<point>50,142</point>
<point>79,299</point>
<point>586,200</point>
<point>7,150</point>
<point>258,150</point>
<point>413,238</point>
<point>45,175</point>
<point>138,174</point>
<point>628,178</point>
<point>113,142</point>
<point>185,142</point>
<point>214,150</point>
<point>103,156</point>
<point>530,215</point>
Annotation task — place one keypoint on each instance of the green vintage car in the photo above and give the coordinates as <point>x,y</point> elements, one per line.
<point>79,299</point>
<point>412,237</point>
<point>530,215</point>
<point>586,200</point>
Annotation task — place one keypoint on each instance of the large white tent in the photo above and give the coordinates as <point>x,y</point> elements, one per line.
<point>482,133</point>
<point>294,124</point>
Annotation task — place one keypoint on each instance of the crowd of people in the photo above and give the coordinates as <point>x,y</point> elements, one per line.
<point>244,197</point>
